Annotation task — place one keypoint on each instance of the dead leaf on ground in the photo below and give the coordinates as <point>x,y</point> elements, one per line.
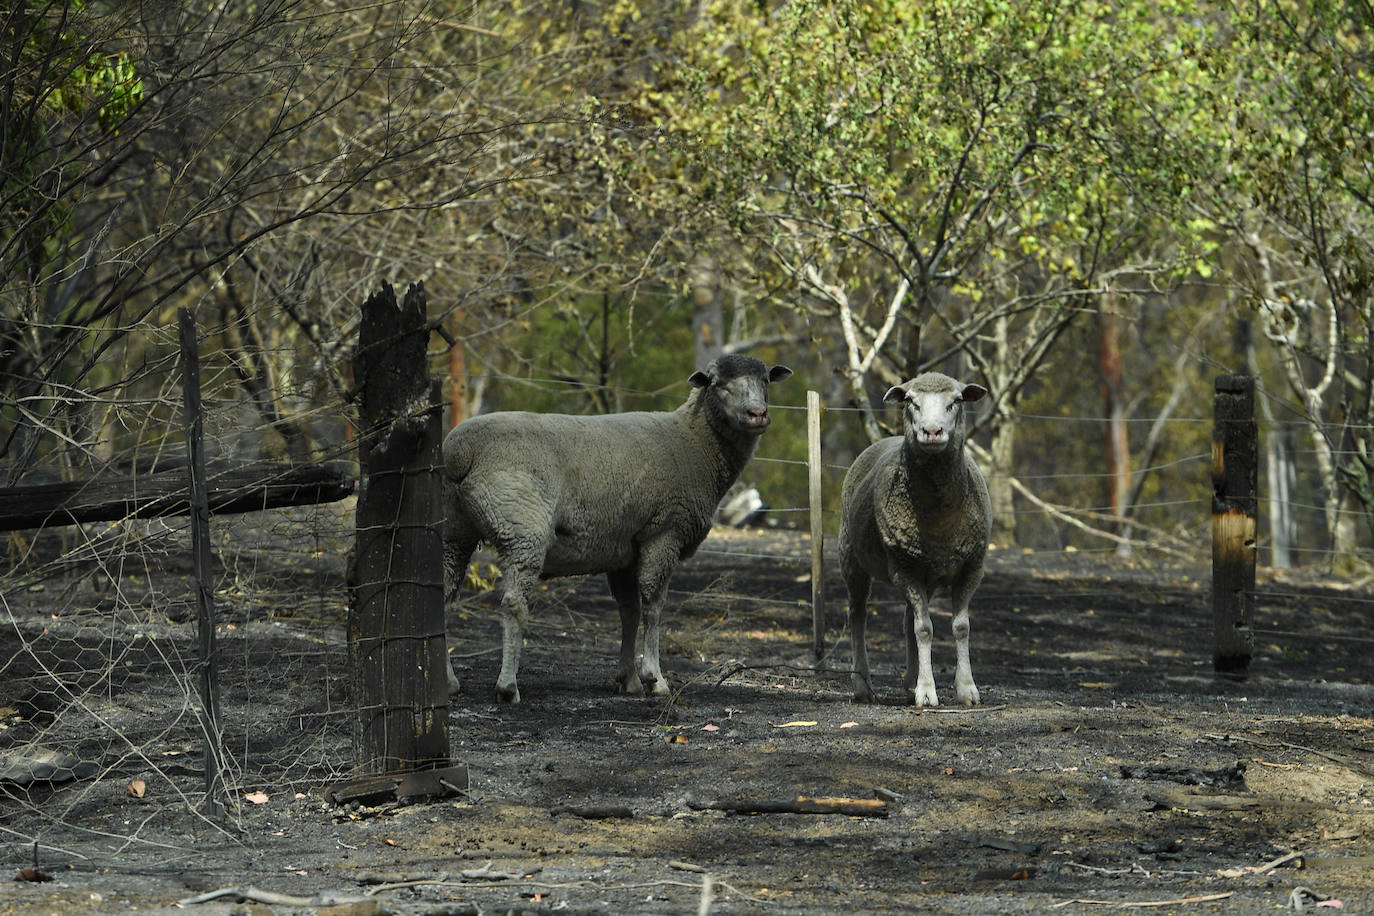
<point>137,788</point>
<point>257,798</point>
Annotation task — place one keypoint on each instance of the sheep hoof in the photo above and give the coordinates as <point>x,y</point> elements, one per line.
<point>509,694</point>
<point>453,685</point>
<point>630,686</point>
<point>968,697</point>
<point>660,688</point>
<point>924,696</point>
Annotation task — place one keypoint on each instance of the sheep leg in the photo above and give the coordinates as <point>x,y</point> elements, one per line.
<point>656,565</point>
<point>650,671</point>
<point>919,679</point>
<point>859,586</point>
<point>625,588</point>
<point>460,540</point>
<point>965,691</point>
<point>514,617</point>
<point>521,562</point>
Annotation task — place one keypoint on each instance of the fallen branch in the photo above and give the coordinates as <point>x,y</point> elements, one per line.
<point>1223,778</point>
<point>159,494</point>
<point>955,710</point>
<point>564,885</point>
<point>482,874</point>
<point>1334,758</point>
<point>1164,541</point>
<point>853,807</point>
<point>1296,858</point>
<point>1182,800</point>
<point>271,898</point>
<point>1281,860</point>
<point>1178,901</point>
<point>592,812</point>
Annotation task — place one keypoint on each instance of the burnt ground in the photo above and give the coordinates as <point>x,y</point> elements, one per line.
<point>1108,768</point>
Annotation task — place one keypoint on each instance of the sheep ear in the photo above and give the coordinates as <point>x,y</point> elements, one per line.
<point>895,395</point>
<point>778,373</point>
<point>700,379</point>
<point>972,393</point>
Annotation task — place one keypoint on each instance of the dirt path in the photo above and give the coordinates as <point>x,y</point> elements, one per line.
<point>1073,789</point>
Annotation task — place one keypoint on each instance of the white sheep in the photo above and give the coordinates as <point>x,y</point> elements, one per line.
<point>916,514</point>
<point>630,495</point>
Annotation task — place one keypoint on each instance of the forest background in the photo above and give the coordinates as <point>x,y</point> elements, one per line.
<point>1093,209</point>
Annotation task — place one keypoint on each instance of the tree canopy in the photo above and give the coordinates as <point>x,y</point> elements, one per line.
<point>1077,205</point>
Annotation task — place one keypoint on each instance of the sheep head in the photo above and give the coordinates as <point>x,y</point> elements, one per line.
<point>735,389</point>
<point>932,413</point>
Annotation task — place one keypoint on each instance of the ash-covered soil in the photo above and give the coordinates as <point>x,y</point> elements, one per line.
<point>1107,768</point>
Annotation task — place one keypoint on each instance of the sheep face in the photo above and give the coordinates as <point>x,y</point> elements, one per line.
<point>932,413</point>
<point>736,389</point>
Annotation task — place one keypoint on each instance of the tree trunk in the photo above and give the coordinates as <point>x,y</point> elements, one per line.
<point>708,321</point>
<point>1000,491</point>
<point>1281,477</point>
<point>1114,409</point>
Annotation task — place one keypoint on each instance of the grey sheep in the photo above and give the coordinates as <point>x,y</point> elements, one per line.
<point>630,495</point>
<point>915,513</point>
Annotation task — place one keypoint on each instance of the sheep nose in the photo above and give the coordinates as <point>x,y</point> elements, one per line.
<point>758,413</point>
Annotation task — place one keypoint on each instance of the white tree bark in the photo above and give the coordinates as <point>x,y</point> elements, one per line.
<point>1285,322</point>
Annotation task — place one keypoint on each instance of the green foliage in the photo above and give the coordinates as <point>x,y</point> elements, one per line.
<point>930,119</point>
<point>58,75</point>
<point>64,68</point>
<point>108,82</point>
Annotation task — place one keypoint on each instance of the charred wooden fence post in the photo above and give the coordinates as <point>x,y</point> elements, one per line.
<point>396,621</point>
<point>207,656</point>
<point>1235,463</point>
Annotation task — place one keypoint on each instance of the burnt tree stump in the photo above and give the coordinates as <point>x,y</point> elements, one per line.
<point>396,618</point>
<point>1235,466</point>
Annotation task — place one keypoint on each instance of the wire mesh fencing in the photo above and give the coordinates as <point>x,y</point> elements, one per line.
<point>100,671</point>
<point>100,733</point>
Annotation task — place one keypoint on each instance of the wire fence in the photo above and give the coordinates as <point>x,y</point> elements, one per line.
<point>98,648</point>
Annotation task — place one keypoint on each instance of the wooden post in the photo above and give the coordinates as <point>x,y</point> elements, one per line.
<point>813,466</point>
<point>207,658</point>
<point>396,621</point>
<point>1235,463</point>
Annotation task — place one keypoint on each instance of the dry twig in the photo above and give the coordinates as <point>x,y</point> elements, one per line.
<point>1178,901</point>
